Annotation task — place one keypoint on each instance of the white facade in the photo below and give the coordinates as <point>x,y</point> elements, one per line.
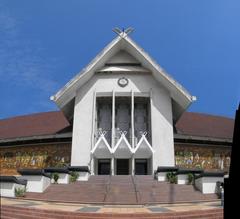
<point>122,75</point>
<point>140,85</point>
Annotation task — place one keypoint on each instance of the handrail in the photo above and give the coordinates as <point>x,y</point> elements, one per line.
<point>107,188</point>
<point>135,188</point>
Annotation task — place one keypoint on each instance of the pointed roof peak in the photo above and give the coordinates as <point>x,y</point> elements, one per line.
<point>181,97</point>
<point>124,32</point>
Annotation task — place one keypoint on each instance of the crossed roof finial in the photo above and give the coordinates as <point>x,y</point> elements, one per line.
<point>123,33</point>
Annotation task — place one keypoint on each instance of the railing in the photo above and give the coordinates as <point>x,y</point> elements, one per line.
<point>135,189</point>
<point>107,188</point>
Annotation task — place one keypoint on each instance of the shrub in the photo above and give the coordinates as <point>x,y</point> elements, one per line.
<point>73,176</point>
<point>55,177</point>
<point>20,192</point>
<point>60,164</point>
<point>172,177</point>
<point>190,178</point>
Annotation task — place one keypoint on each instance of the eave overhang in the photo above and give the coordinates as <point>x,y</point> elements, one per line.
<point>203,140</point>
<point>180,96</point>
<point>67,137</point>
<point>39,139</point>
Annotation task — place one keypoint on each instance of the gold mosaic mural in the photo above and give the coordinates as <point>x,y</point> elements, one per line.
<point>53,155</point>
<point>206,157</point>
<point>33,156</point>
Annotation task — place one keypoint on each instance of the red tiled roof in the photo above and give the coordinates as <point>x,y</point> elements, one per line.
<point>38,124</point>
<point>47,123</point>
<point>198,124</point>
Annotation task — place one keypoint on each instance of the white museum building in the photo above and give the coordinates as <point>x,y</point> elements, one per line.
<point>123,107</point>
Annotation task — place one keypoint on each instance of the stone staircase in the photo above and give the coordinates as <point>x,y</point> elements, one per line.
<point>151,191</point>
<point>124,189</point>
<point>121,190</point>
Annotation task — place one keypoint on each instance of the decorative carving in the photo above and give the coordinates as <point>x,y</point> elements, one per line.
<point>102,147</point>
<point>210,158</point>
<point>143,148</point>
<point>34,156</point>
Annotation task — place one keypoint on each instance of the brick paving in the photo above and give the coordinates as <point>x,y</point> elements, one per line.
<point>13,212</point>
<point>121,190</point>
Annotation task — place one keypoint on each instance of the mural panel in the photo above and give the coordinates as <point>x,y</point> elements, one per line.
<point>56,155</point>
<point>206,157</point>
<point>33,156</point>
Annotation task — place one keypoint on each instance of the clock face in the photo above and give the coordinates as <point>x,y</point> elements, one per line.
<point>123,82</point>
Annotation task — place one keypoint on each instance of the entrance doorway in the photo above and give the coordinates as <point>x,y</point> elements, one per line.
<point>141,166</point>
<point>104,166</point>
<point>122,166</point>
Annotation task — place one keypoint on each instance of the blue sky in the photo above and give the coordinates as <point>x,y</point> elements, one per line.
<point>43,44</point>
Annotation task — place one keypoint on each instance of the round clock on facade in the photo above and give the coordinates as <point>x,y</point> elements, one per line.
<point>123,82</point>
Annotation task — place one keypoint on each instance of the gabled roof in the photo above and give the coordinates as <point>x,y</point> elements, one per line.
<point>181,98</point>
<point>38,124</point>
<point>204,125</point>
<point>52,123</point>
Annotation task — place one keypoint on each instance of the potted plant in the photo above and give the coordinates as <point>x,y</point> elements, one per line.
<point>190,178</point>
<point>55,177</point>
<point>172,177</point>
<point>20,192</point>
<point>74,176</point>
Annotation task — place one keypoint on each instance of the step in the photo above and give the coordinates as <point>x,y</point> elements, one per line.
<point>17,212</point>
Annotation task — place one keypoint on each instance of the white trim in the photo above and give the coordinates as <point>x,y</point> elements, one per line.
<point>113,118</point>
<point>93,119</point>
<point>84,71</point>
<point>143,139</point>
<point>126,69</point>
<point>132,118</point>
<point>122,138</point>
<point>102,138</point>
<point>159,69</point>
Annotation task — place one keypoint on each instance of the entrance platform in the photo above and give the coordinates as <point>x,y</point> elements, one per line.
<point>121,190</point>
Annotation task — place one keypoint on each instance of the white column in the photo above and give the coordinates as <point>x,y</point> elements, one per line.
<point>132,118</point>
<point>133,134</point>
<point>133,165</point>
<point>93,132</point>
<point>151,134</point>
<point>112,166</point>
<point>113,130</point>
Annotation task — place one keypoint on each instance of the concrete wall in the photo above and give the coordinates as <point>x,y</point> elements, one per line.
<point>161,115</point>
<point>36,183</point>
<point>208,185</point>
<point>8,189</point>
